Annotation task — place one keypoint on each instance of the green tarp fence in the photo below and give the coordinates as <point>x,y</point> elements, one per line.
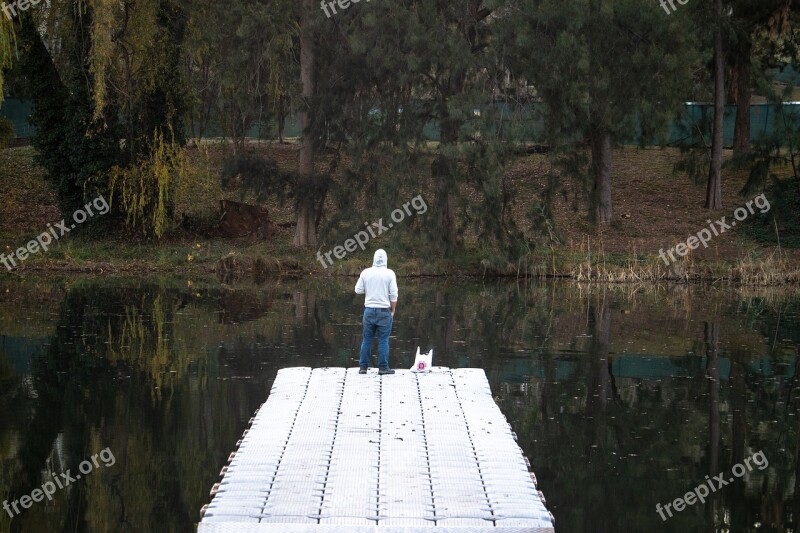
<point>693,128</point>
<point>17,112</point>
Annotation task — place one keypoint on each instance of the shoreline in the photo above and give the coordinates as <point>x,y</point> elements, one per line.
<point>756,269</point>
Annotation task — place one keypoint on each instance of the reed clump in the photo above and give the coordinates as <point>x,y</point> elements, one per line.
<point>588,262</point>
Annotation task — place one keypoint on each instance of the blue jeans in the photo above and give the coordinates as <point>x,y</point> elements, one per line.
<point>376,321</point>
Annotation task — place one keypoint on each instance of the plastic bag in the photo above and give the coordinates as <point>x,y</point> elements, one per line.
<point>423,362</point>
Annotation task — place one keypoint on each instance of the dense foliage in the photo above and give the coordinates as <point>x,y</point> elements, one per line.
<point>118,87</point>
<point>75,150</point>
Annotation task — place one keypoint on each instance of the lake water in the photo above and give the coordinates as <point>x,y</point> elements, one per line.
<point>623,397</point>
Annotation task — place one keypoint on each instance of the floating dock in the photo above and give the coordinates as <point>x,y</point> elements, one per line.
<point>333,450</point>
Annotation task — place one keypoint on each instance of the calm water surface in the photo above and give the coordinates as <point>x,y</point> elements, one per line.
<point>622,397</point>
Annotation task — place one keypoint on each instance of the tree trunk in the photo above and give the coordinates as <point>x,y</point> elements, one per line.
<point>281,118</point>
<point>602,164</point>
<point>305,230</point>
<point>743,70</point>
<point>714,188</point>
<point>443,170</point>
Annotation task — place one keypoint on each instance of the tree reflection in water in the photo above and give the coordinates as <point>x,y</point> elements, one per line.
<point>622,396</point>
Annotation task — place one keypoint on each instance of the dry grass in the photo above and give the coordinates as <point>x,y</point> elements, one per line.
<point>654,209</point>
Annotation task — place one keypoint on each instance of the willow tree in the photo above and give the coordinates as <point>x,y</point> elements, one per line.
<point>7,48</point>
<point>135,58</point>
<point>109,102</point>
<point>75,149</point>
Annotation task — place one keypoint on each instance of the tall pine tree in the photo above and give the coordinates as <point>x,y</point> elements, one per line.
<point>603,72</point>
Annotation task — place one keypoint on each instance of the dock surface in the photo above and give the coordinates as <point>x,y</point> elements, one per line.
<point>332,450</point>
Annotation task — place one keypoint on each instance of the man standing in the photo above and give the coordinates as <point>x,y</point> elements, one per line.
<point>379,283</point>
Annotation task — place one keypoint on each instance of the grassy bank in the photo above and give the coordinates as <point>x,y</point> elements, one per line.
<point>655,209</point>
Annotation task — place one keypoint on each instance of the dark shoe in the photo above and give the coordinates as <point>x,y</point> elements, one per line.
<point>383,371</point>
<point>362,371</point>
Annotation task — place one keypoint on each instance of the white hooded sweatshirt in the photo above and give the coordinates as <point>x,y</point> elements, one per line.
<point>379,283</point>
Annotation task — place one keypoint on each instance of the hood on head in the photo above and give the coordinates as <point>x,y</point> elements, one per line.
<point>380,259</point>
